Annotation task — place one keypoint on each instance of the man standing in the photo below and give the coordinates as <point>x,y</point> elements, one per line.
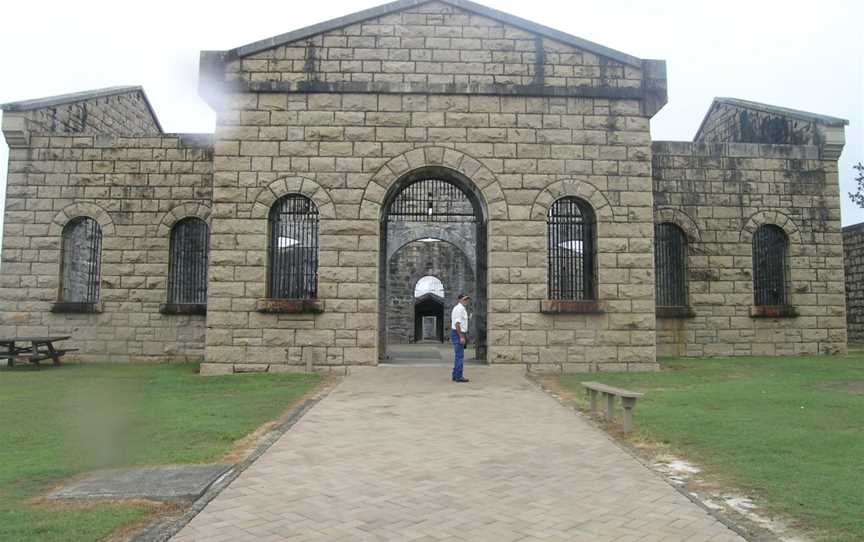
<point>459,327</point>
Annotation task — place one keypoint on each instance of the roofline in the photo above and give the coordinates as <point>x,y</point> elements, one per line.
<point>384,9</point>
<point>73,97</point>
<point>768,108</point>
<point>853,227</point>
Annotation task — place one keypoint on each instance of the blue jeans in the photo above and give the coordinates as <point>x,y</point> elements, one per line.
<point>458,354</point>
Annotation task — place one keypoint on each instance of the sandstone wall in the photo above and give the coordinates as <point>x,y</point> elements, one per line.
<point>853,261</point>
<point>120,114</point>
<point>135,188</point>
<point>432,44</point>
<point>346,150</point>
<point>719,194</point>
<point>342,115</point>
<point>726,123</point>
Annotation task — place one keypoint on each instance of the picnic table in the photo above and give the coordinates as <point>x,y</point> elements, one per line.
<point>32,349</point>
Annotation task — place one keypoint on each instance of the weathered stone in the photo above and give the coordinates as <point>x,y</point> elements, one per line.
<point>427,92</point>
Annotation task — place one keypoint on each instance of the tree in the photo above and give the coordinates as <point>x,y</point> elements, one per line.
<point>858,195</point>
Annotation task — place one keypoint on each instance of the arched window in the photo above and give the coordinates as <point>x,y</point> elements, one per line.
<point>429,284</point>
<point>769,266</point>
<point>82,246</point>
<point>570,224</point>
<point>670,265</point>
<point>187,275</point>
<point>293,249</point>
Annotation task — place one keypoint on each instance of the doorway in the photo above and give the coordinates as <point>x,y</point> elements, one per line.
<point>433,223</point>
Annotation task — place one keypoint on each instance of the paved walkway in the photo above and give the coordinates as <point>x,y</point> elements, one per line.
<point>404,454</point>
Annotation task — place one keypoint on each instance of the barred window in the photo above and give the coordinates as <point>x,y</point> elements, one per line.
<point>570,225</point>
<point>187,275</point>
<point>670,265</point>
<point>293,249</point>
<point>769,266</point>
<point>82,246</point>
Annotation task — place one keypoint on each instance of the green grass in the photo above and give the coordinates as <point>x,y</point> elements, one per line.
<point>63,421</point>
<point>778,428</point>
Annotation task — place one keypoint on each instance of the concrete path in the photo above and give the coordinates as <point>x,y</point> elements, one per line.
<point>404,454</point>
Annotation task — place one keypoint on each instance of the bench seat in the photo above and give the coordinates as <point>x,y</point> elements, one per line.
<point>628,401</point>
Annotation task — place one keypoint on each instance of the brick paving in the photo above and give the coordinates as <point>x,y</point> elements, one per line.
<point>401,453</point>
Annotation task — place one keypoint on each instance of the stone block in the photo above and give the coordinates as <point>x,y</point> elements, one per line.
<point>216,369</point>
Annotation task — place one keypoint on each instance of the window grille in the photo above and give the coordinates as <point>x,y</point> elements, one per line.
<point>432,200</point>
<point>670,263</point>
<point>769,266</point>
<point>82,246</point>
<point>187,275</point>
<point>293,249</point>
<point>570,225</point>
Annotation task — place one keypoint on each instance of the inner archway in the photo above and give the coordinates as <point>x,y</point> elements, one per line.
<point>433,224</point>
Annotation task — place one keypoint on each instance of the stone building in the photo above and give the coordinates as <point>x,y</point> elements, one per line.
<point>853,260</point>
<point>422,141</point>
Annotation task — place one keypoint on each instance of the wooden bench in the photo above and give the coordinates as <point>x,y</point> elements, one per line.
<point>40,348</point>
<point>628,401</point>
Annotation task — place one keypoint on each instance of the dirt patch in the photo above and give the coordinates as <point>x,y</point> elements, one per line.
<point>852,387</point>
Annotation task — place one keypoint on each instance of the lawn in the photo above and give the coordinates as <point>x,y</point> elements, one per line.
<point>788,430</point>
<point>63,421</point>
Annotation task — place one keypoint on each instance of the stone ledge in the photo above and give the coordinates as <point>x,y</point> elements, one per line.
<point>560,306</point>
<point>290,306</point>
<point>773,311</point>
<point>489,89</point>
<point>675,312</point>
<point>183,308</point>
<point>70,307</point>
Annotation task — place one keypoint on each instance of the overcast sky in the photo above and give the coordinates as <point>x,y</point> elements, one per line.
<point>803,55</point>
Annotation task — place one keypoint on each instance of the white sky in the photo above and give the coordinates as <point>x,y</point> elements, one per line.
<point>803,55</point>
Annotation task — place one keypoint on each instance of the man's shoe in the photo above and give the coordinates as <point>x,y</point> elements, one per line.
<point>463,379</point>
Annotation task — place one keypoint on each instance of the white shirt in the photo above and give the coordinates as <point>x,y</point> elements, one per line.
<point>460,315</point>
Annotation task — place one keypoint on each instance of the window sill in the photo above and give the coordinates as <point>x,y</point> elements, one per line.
<point>289,306</point>
<point>561,306</point>
<point>68,307</point>
<point>680,311</point>
<point>183,308</point>
<point>773,311</point>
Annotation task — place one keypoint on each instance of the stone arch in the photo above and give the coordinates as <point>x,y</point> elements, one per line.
<point>774,218</point>
<point>463,164</point>
<point>184,210</point>
<point>293,185</point>
<point>394,244</point>
<point>572,187</point>
<point>680,219</point>
<point>84,208</point>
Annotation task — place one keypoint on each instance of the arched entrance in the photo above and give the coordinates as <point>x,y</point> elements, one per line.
<point>434,205</point>
<point>429,318</point>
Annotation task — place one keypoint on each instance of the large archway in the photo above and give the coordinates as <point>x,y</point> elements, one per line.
<point>433,204</point>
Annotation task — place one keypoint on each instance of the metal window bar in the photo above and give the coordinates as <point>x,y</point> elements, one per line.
<point>187,275</point>
<point>82,246</point>
<point>293,249</point>
<point>769,266</point>
<point>431,200</point>
<point>570,225</point>
<point>670,263</point>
